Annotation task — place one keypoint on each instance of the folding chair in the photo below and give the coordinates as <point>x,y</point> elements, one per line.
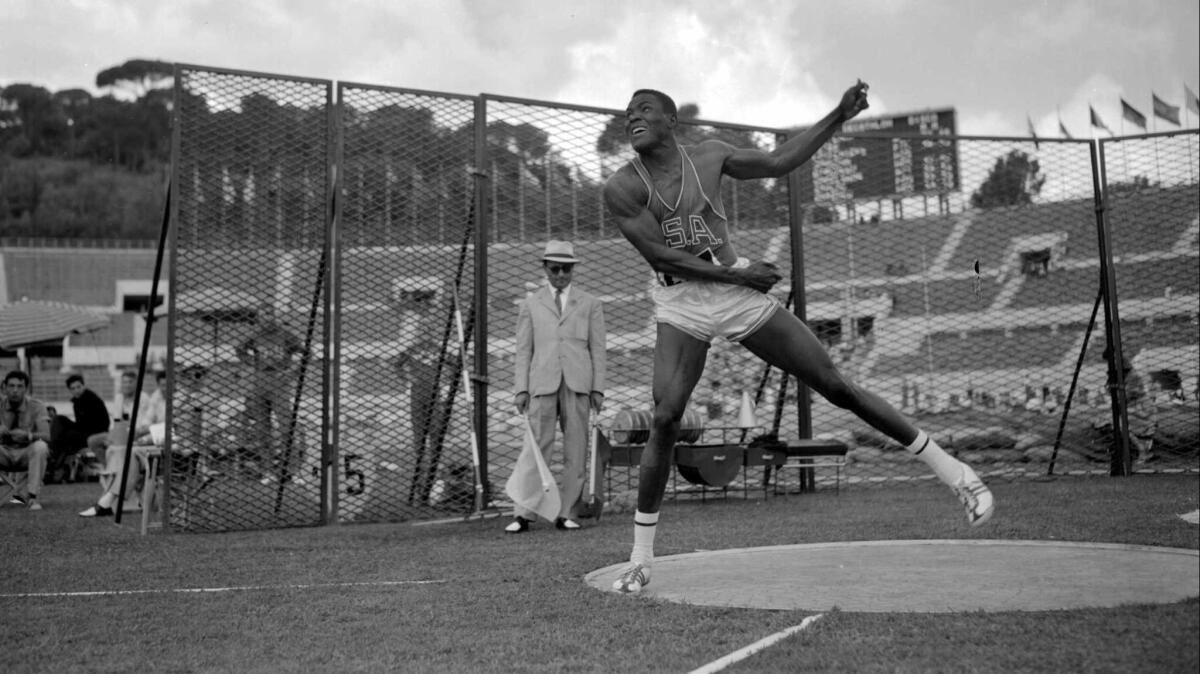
<point>11,482</point>
<point>151,457</point>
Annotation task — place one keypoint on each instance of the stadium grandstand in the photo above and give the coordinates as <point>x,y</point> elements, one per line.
<point>1017,328</point>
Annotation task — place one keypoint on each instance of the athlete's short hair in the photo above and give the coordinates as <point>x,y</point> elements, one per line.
<point>666,101</point>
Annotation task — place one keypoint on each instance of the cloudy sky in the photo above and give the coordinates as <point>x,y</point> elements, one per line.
<point>769,62</point>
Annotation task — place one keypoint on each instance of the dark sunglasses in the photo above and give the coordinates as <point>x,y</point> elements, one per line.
<point>560,268</point>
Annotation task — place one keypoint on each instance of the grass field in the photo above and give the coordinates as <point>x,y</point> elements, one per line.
<point>465,597</point>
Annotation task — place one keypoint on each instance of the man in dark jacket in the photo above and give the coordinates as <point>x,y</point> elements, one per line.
<point>88,431</point>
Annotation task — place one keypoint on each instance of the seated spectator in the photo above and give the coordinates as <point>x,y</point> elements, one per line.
<point>151,411</point>
<point>114,463</point>
<point>154,410</point>
<point>125,396</point>
<point>89,429</point>
<point>24,436</point>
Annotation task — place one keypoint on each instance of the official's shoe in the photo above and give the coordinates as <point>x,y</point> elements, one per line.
<point>17,499</point>
<point>975,497</point>
<point>633,579</point>
<point>97,511</point>
<point>33,504</point>
<point>566,524</point>
<point>518,525</point>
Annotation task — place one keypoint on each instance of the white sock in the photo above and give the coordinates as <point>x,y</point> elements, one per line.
<point>644,526</point>
<point>107,500</point>
<point>947,468</point>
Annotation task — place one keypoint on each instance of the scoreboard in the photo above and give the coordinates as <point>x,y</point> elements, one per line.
<point>867,162</point>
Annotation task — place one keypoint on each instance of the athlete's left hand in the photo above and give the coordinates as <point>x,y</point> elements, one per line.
<point>854,101</point>
<point>761,276</point>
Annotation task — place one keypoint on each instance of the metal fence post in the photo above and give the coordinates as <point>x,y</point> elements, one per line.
<point>480,215</point>
<point>1120,463</point>
<point>330,438</point>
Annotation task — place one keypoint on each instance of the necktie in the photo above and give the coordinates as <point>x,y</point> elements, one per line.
<point>558,301</point>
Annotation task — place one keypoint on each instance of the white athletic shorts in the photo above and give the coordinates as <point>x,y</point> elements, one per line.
<point>704,309</point>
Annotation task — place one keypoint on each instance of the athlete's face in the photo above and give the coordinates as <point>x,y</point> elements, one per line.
<point>646,123</point>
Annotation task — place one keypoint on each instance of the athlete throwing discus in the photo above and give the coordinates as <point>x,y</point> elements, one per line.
<point>667,201</point>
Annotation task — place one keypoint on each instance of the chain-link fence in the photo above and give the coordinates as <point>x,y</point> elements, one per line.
<point>1153,207</point>
<point>248,301</point>
<point>957,277</point>
<point>405,278</point>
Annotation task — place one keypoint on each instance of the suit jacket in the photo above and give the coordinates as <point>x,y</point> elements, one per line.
<point>30,415</point>
<point>553,348</point>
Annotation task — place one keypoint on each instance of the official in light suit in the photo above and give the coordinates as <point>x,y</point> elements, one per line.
<point>560,369</point>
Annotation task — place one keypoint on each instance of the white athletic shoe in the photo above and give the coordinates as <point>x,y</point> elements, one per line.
<point>975,497</point>
<point>633,579</point>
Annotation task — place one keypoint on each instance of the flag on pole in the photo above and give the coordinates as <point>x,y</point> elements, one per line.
<point>1190,99</point>
<point>1131,113</point>
<point>1096,121</point>
<point>1164,111</point>
<point>1032,133</point>
<point>531,485</point>
<point>1062,129</point>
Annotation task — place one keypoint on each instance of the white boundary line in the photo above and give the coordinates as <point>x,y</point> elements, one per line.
<point>743,653</point>
<point>206,590</point>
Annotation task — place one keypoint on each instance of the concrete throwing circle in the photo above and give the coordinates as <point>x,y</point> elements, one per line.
<point>932,576</point>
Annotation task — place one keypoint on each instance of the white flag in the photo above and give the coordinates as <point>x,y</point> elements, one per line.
<point>531,485</point>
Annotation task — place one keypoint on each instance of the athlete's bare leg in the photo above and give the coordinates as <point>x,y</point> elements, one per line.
<point>678,365</point>
<point>785,342</point>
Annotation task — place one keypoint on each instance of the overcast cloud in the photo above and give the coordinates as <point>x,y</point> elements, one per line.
<point>769,62</point>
